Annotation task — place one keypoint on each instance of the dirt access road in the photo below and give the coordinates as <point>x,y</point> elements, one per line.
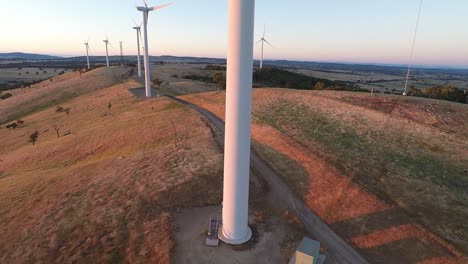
<point>338,251</point>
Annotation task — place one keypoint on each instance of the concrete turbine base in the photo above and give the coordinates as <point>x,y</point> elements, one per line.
<point>239,241</point>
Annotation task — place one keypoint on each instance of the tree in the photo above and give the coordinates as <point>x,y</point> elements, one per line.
<point>220,80</point>
<point>33,137</point>
<point>413,91</point>
<point>157,82</point>
<point>319,86</point>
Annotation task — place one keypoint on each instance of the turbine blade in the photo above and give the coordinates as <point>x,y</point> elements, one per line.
<point>134,22</point>
<point>268,42</point>
<point>259,41</point>
<point>159,7</point>
<point>264,30</point>
<point>144,2</point>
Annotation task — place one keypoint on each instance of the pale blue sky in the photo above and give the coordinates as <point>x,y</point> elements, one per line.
<point>315,30</point>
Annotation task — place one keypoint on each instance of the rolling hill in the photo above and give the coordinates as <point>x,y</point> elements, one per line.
<point>26,56</point>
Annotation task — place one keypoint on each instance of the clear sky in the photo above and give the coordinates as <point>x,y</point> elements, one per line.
<point>371,31</point>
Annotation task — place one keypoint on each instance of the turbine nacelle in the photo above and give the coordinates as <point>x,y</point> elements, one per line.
<point>148,9</point>
<point>142,9</point>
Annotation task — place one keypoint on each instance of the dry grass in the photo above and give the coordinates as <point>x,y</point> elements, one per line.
<point>105,192</point>
<point>62,89</point>
<point>365,155</point>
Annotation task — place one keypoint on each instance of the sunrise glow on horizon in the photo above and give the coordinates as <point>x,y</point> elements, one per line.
<point>360,31</point>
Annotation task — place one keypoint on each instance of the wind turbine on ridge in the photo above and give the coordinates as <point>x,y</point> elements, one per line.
<point>138,31</point>
<point>106,41</point>
<point>87,53</point>
<point>263,40</point>
<point>145,10</point>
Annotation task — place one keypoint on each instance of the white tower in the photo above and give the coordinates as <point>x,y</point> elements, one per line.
<point>121,52</point>
<point>106,41</point>
<point>145,10</point>
<point>235,229</point>
<point>138,28</point>
<point>87,54</point>
<point>263,40</point>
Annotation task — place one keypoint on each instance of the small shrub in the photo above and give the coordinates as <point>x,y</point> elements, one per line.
<point>59,109</point>
<point>5,96</point>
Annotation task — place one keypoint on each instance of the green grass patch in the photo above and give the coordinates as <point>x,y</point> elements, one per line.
<point>29,108</point>
<point>291,171</point>
<point>397,168</point>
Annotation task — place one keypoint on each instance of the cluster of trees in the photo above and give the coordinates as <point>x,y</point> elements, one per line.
<point>214,67</point>
<point>217,78</point>
<point>16,124</point>
<point>441,92</point>
<point>276,77</point>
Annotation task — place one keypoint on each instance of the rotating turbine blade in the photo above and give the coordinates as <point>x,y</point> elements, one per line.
<point>144,2</point>
<point>259,41</point>
<point>134,22</point>
<point>159,7</point>
<point>264,30</point>
<point>268,42</point>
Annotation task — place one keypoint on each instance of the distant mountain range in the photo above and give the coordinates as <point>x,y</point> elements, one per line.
<point>26,56</point>
<point>20,56</point>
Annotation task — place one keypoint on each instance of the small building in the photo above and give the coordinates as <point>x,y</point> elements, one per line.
<point>308,252</point>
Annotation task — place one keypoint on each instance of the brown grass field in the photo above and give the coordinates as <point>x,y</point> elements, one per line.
<point>27,74</point>
<point>386,172</point>
<point>104,193</point>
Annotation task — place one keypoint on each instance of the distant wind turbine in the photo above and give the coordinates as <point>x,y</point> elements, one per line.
<point>263,40</point>
<point>121,52</point>
<point>145,10</point>
<point>87,53</point>
<point>107,50</point>
<point>138,31</point>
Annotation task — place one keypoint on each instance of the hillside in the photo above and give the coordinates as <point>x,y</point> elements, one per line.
<point>106,182</point>
<point>387,173</point>
<point>27,56</point>
<point>105,191</point>
<point>57,90</point>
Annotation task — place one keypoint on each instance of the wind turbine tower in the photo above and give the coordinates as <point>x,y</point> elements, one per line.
<point>235,229</point>
<point>87,54</point>
<point>121,52</point>
<point>106,41</point>
<point>145,10</point>
<point>138,31</point>
<point>263,40</point>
